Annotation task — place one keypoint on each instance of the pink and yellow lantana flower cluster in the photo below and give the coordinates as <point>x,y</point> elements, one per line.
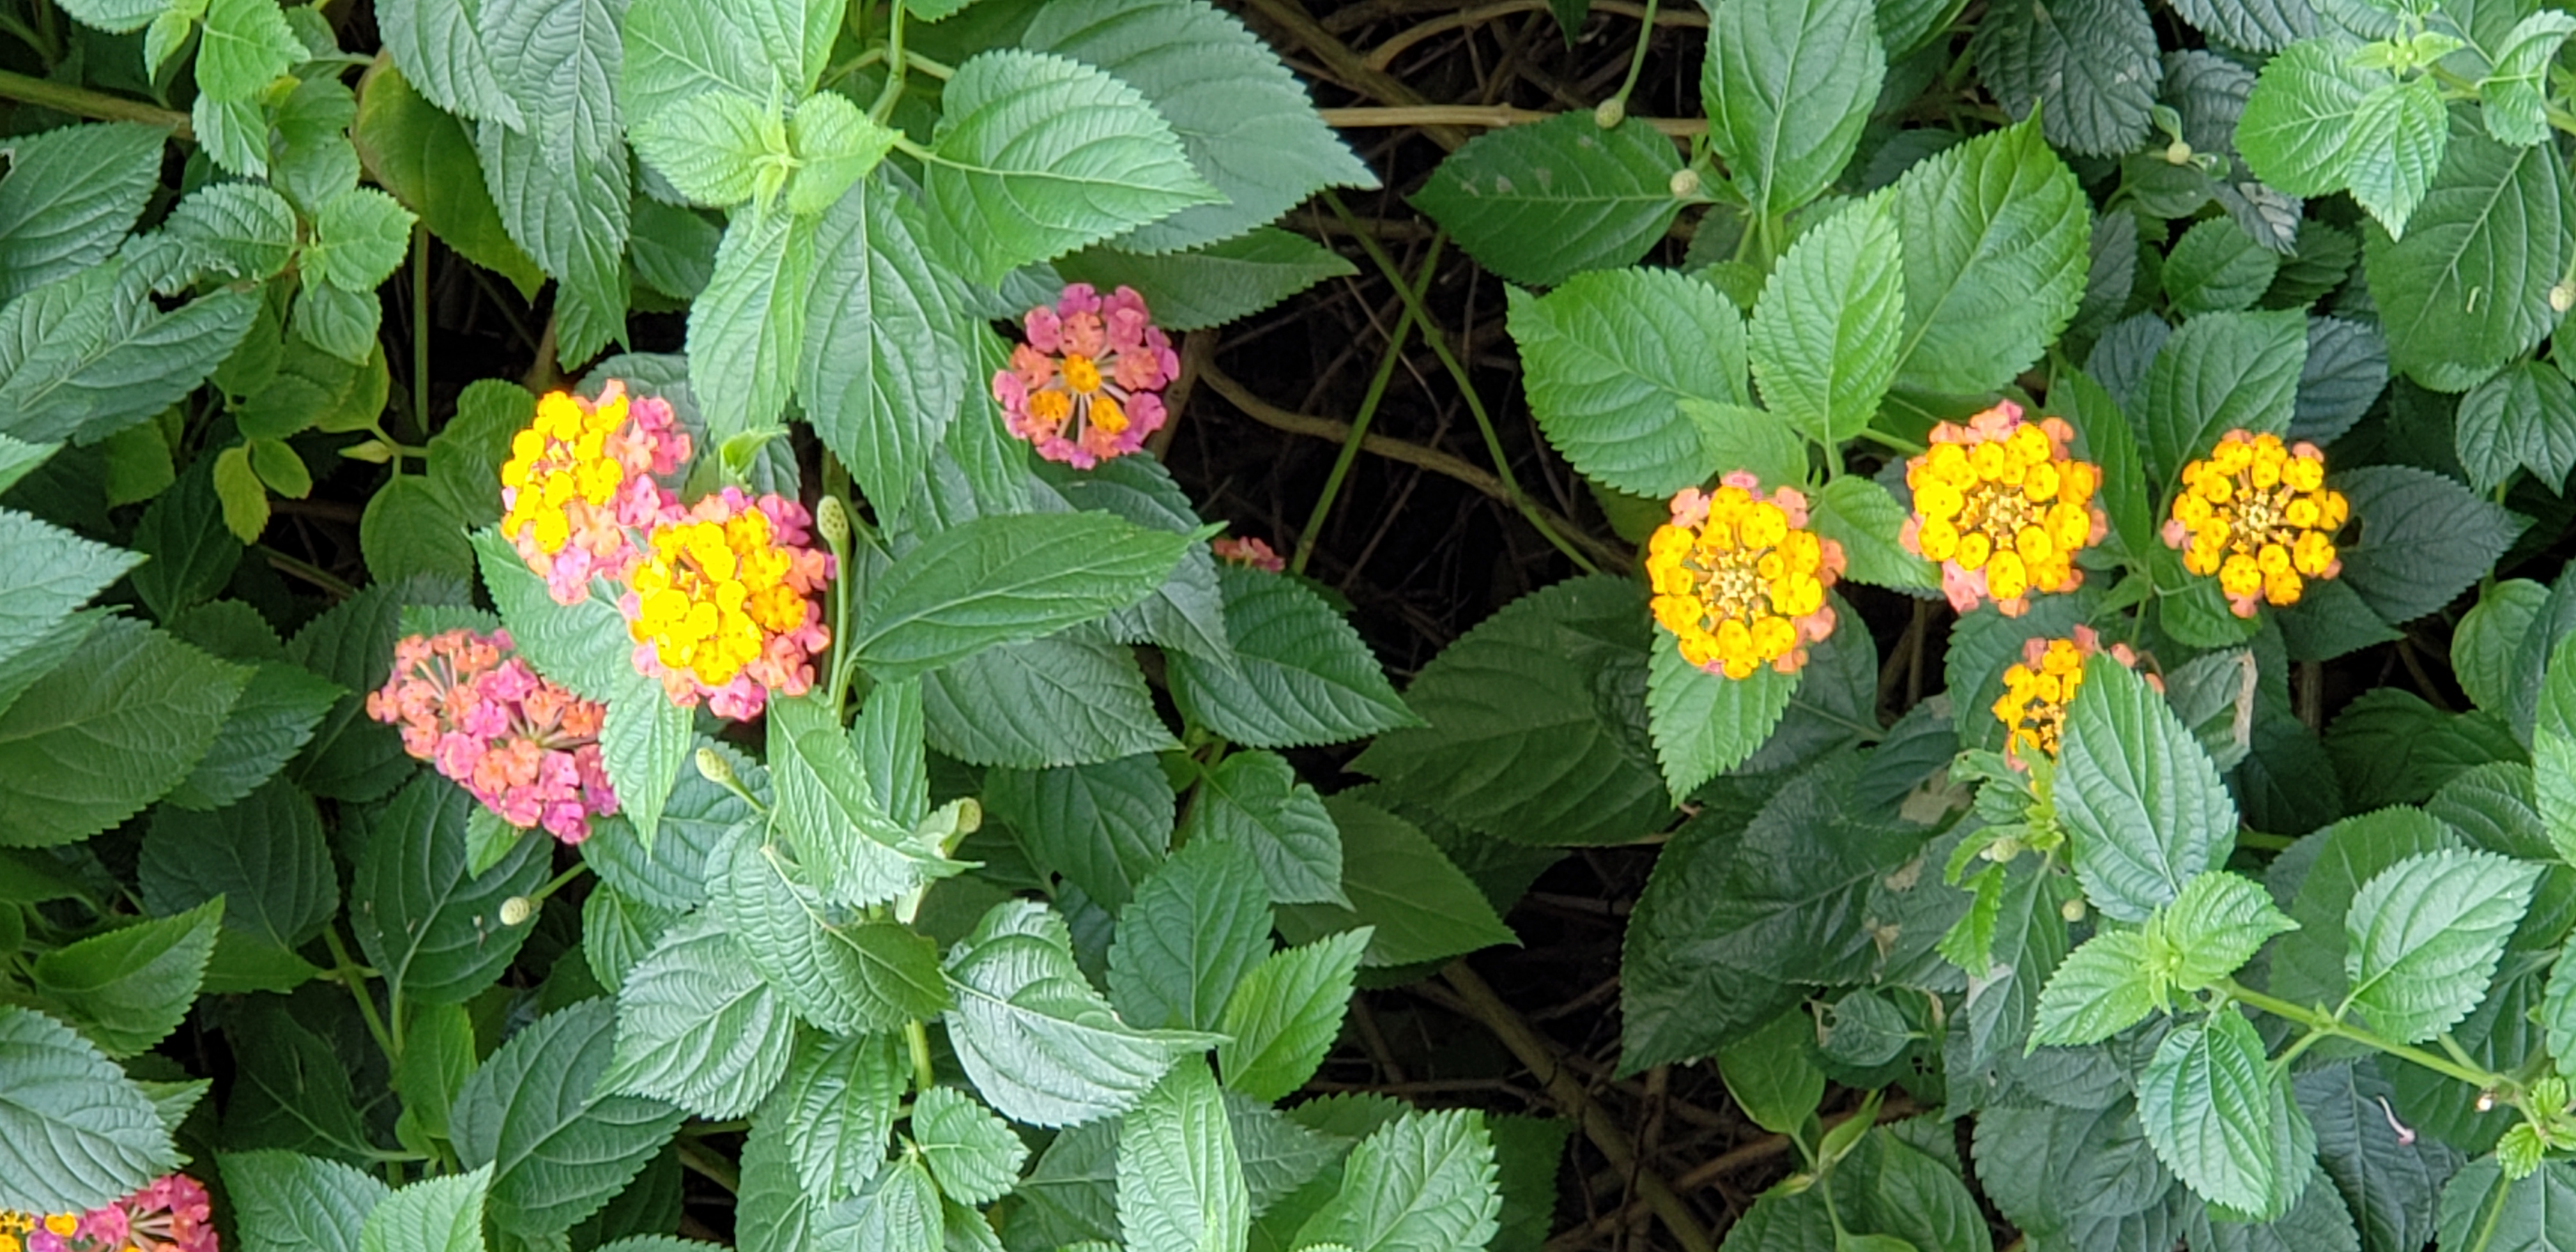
<point>170,1215</point>
<point>526,748</point>
<point>1087,386</point>
<point>720,595</point>
<point>1740,580</point>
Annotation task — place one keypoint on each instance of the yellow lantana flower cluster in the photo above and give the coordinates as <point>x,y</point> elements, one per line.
<point>2039,686</point>
<point>2258,515</point>
<point>2004,508</point>
<point>579,477</point>
<point>1740,580</point>
<point>724,602</point>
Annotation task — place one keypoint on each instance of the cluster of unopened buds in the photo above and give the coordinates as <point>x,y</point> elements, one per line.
<point>1739,580</point>
<point>1087,385</point>
<point>171,1214</point>
<point>2004,508</point>
<point>2039,687</point>
<point>2257,514</point>
<point>1248,553</point>
<point>526,748</point>
<point>721,595</point>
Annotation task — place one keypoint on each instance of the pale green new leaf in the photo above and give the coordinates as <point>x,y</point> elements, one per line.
<point>1787,85</point>
<point>358,239</point>
<point>2398,133</point>
<point>972,1153</point>
<point>2297,128</point>
<point>2214,927</point>
<point>1423,1181</point>
<point>1608,357</point>
<point>2423,938</point>
<point>1301,674</point>
<point>244,45</point>
<point>1867,522</point>
<point>1032,1034</point>
<point>75,1132</point>
<point>2099,990</point>
<point>2510,97</point>
<point>835,145</point>
<point>1285,1013</point>
<point>1191,934</point>
<point>1995,232</point>
<point>697,1027</point>
<point>1180,1174</point>
<point>1705,724</point>
<point>714,147</point>
<point>1242,118</point>
<point>1037,155</point>
<point>997,580</point>
<point>1825,334</point>
<point>559,1144</point>
<point>1739,436</point>
<point>2142,803</point>
<point>2219,1115</point>
<point>1541,203</point>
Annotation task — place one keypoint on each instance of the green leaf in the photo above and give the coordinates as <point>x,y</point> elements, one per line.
<point>90,355</point>
<point>1608,356</point>
<point>1787,85</point>
<point>716,148</point>
<point>70,196</point>
<point>1103,826</point>
<point>1046,702</point>
<point>410,528</point>
<point>697,1027</point>
<point>127,989</point>
<point>2485,645</point>
<point>341,322</point>
<point>1241,117</point>
<point>359,237</point>
<point>55,571</point>
<point>1521,744</point>
<point>1193,931</point>
<point>778,1214</point>
<point>853,853</point>
<point>1037,155</point>
<point>883,368</point>
<point>676,49</point>
<point>558,1144</point>
<point>844,977</point>
<point>1736,436</point>
<point>996,580</point>
<point>1285,1013</point>
<point>1423,908</point>
<point>2424,539</point>
<point>1425,1180</point>
<point>2143,804</point>
<point>2467,289</point>
<point>114,16</point>
<point>2347,369</point>
<point>1301,674</point>
<point>75,1133</point>
<point>835,1109</point>
<point>2088,68</point>
<point>2219,372</point>
<point>436,47</point>
<point>836,145</point>
<point>431,930</point>
<point>2219,1115</point>
<point>2213,928</point>
<point>2482,1208</point>
<point>1254,799</point>
<point>2217,268</point>
<point>1771,1075</point>
<point>1541,203</point>
<point>1995,232</point>
<point>1866,520</point>
<point>1035,1038</point>
<point>2389,1186</point>
<point>432,1215</point>
<point>2102,988</point>
<point>285,1202</point>
<point>747,328</point>
<point>2398,134</point>
<point>266,856</point>
<point>897,1211</point>
<point>244,45</point>
<point>2296,132</point>
<point>2524,418</point>
<point>972,1153</point>
<point>584,646</point>
<point>1180,1176</point>
<point>2424,935</point>
<point>108,731</point>
<point>1825,333</point>
<point>2510,97</point>
<point>1705,724</point>
<point>1211,284</point>
<point>644,742</point>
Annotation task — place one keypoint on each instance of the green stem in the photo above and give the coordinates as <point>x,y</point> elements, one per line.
<point>936,69</point>
<point>895,65</point>
<point>916,1036</point>
<point>559,882</point>
<point>1637,59</point>
<point>82,102</point>
<point>420,328</point>
<point>1432,338</point>
<point>2318,1021</point>
<point>350,974</point>
<point>1368,412</point>
<point>1891,442</point>
<point>308,571</point>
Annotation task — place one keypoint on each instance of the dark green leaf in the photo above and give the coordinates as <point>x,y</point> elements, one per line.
<point>2424,539</point>
<point>1301,674</point>
<point>431,930</point>
<point>559,1146</point>
<point>2143,804</point>
<point>1539,204</point>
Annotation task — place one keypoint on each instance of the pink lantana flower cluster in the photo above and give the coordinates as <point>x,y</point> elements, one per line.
<point>1249,553</point>
<point>725,604</point>
<point>526,748</point>
<point>170,1215</point>
<point>1087,386</point>
<point>581,478</point>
